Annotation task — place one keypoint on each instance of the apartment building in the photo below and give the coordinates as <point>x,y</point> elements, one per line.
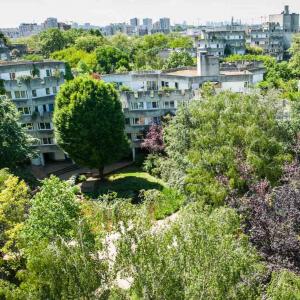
<point>222,41</point>
<point>155,93</point>
<point>144,108</point>
<point>32,86</point>
<point>230,77</point>
<point>270,38</point>
<point>4,51</point>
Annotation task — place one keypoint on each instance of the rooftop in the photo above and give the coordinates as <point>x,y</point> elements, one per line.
<point>186,73</point>
<point>26,62</point>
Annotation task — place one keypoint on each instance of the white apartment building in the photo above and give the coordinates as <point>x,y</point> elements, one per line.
<point>32,87</point>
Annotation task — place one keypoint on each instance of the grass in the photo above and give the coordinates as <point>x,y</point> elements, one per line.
<point>129,182</point>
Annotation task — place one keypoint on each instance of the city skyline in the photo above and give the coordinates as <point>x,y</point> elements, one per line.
<point>100,13</point>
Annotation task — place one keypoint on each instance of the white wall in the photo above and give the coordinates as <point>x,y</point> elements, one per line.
<point>236,86</point>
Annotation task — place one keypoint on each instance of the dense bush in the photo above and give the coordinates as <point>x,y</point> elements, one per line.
<point>201,255</point>
<point>273,223</point>
<point>227,142</point>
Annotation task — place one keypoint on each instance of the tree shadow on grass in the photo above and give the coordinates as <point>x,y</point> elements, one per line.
<point>127,187</point>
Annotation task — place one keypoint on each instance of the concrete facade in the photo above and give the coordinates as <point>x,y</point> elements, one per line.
<point>32,86</point>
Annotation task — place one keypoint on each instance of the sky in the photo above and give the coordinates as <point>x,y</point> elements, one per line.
<point>102,12</point>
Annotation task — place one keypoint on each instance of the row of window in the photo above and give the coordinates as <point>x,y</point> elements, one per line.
<point>142,121</point>
<point>13,76</point>
<point>151,105</point>
<point>41,126</point>
<point>24,94</point>
<point>26,110</point>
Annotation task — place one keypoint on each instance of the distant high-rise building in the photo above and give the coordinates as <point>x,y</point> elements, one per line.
<point>165,23</point>
<point>51,23</point>
<point>27,29</point>
<point>135,22</point>
<point>289,23</point>
<point>147,22</point>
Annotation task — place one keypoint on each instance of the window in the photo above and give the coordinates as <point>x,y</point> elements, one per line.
<point>12,76</point>
<point>139,137</point>
<point>151,105</point>
<point>44,126</point>
<point>54,90</point>
<point>8,94</point>
<point>165,84</point>
<point>127,121</point>
<point>34,94</point>
<point>167,104</point>
<point>172,104</point>
<point>51,107</point>
<point>137,105</point>
<point>46,141</point>
<point>28,126</point>
<point>20,94</point>
<point>176,85</point>
<point>24,110</point>
<point>156,120</point>
<point>47,91</point>
<point>138,121</point>
<point>246,84</point>
<point>48,73</point>
<point>45,108</point>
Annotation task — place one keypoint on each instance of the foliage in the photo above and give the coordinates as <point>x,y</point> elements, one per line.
<point>74,57</point>
<point>254,50</point>
<point>179,59</point>
<point>154,142</point>
<point>88,43</point>
<point>63,270</point>
<point>249,57</point>
<point>172,262</point>
<point>110,59</point>
<point>272,219</point>
<point>180,42</point>
<point>14,200</point>
<point>295,52</point>
<point>129,183</point>
<point>2,88</point>
<point>285,285</point>
<point>163,203</point>
<point>228,142</point>
<point>51,40</point>
<point>15,143</point>
<point>53,213</point>
<point>88,121</point>
<point>33,57</point>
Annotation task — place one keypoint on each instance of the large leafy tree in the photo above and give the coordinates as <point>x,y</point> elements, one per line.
<point>179,59</point>
<point>15,143</point>
<point>231,140</point>
<point>89,122</point>
<point>14,200</point>
<point>51,40</point>
<point>110,59</point>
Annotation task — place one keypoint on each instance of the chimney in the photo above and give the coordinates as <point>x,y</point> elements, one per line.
<point>207,65</point>
<point>286,10</point>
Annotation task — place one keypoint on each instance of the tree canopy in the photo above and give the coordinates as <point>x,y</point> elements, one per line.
<point>15,143</point>
<point>89,122</point>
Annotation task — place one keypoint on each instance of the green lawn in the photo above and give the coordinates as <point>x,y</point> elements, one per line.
<point>128,183</point>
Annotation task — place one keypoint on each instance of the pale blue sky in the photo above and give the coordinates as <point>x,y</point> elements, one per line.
<point>101,12</point>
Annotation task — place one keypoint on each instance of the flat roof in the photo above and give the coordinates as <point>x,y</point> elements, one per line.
<point>26,62</point>
<point>186,73</point>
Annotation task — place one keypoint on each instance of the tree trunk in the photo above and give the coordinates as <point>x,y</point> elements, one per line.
<point>101,173</point>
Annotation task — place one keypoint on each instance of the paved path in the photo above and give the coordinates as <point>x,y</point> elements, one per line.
<point>43,172</point>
